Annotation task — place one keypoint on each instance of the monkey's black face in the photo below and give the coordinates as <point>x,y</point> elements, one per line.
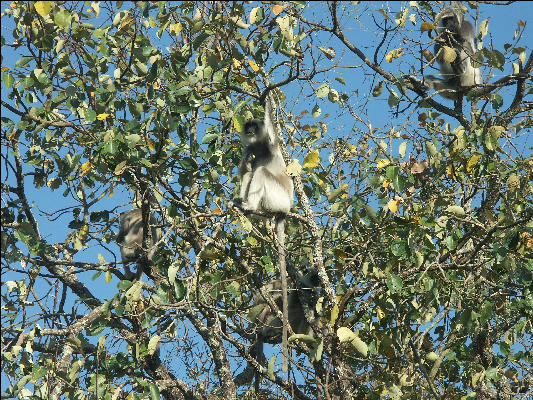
<point>449,22</point>
<point>254,127</point>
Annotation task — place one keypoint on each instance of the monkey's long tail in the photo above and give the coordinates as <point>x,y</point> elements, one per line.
<point>280,233</point>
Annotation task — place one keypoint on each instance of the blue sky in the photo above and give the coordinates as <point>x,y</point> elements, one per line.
<point>503,22</point>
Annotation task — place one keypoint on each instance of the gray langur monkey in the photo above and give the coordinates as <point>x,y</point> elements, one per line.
<point>130,235</point>
<point>267,324</point>
<point>265,186</point>
<point>457,33</point>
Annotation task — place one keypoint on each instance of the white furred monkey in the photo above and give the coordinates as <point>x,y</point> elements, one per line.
<point>265,186</point>
<point>457,33</point>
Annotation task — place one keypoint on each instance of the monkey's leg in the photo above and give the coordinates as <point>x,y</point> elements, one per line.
<point>244,186</point>
<point>261,359</point>
<point>256,190</point>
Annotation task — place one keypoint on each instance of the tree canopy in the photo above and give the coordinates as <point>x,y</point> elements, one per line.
<point>414,210</point>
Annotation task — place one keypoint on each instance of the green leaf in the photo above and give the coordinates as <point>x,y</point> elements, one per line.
<point>316,111</point>
<point>124,285</point>
<point>251,240</point>
<point>398,181</point>
<point>492,137</point>
<point>111,146</point>
<point>154,391</point>
<point>393,99</point>
<point>399,248</point>
<point>394,283</point>
<point>179,290</point>
<point>303,337</point>
<point>62,18</point>
<point>378,89</point>
<point>430,148</point>
<point>8,80</point>
<point>133,139</point>
<point>456,210</point>
<point>210,137</point>
<point>270,370</point>
<point>141,68</point>
<point>90,115</point>
<point>27,82</point>
<point>255,311</point>
<point>23,61</point>
<point>341,80</point>
<point>316,351</point>
<point>451,242</point>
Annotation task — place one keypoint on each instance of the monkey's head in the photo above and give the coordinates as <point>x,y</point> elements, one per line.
<point>450,20</point>
<point>253,132</point>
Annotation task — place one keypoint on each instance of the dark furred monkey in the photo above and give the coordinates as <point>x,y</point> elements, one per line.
<point>130,236</point>
<point>268,326</point>
<point>455,32</point>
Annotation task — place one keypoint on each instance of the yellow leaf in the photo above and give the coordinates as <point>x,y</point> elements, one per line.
<point>427,26</point>
<point>253,15</point>
<point>394,205</point>
<point>345,189</point>
<point>237,123</point>
<point>449,54</point>
<point>254,65</point>
<point>324,128</point>
<point>294,168</point>
<point>383,163</point>
<point>360,346</point>
<point>379,313</point>
<point>386,183</point>
<point>175,29</point>
<point>428,55</point>
<point>240,23</point>
<point>85,168</point>
<point>345,334</point>
<point>472,162</point>
<point>311,160</point>
<point>334,314</point>
<point>96,8</point>
<point>151,144</point>
<point>394,54</point>
<point>450,170</point>
<point>277,9</point>
<point>384,14</point>
<point>237,64</point>
<point>84,231</point>
<point>102,116</point>
<point>329,52</point>
<point>3,69</point>
<point>43,7</point>
<point>107,277</point>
